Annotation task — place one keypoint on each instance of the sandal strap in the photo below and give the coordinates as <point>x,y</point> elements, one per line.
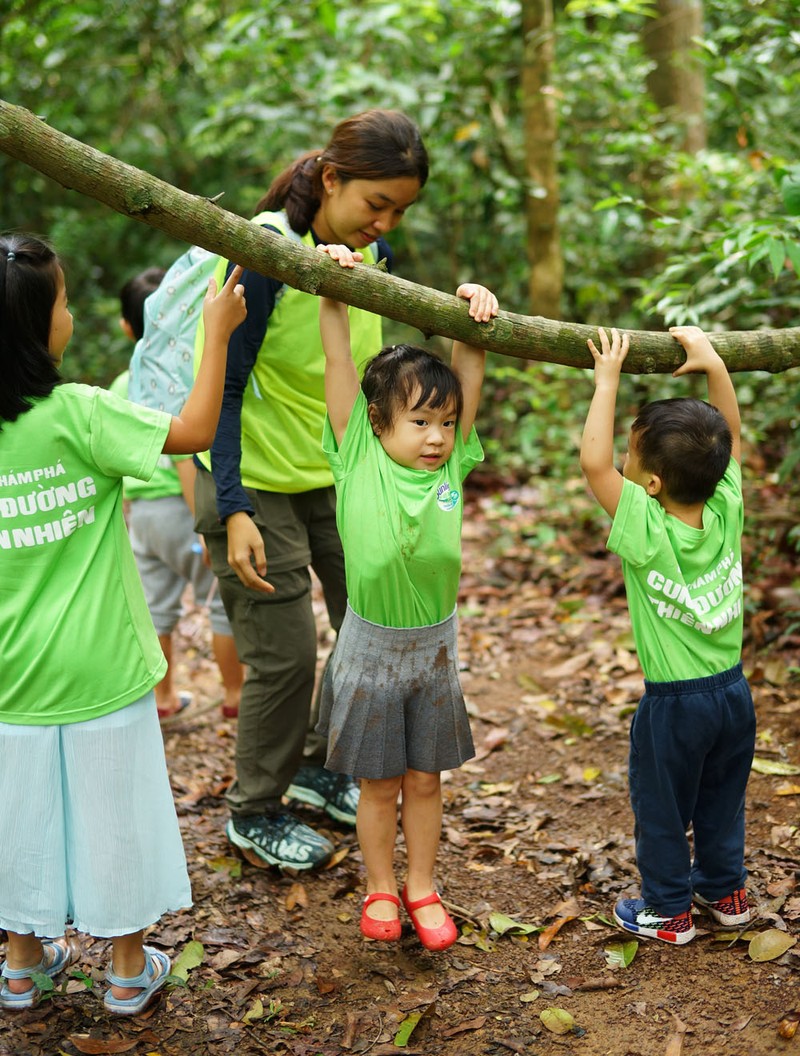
<point>22,973</point>
<point>55,957</point>
<point>381,896</point>
<point>140,981</point>
<point>427,900</point>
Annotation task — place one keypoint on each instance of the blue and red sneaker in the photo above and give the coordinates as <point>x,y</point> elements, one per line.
<point>732,910</point>
<point>633,914</point>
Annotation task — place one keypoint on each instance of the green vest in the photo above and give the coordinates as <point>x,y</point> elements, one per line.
<point>283,410</point>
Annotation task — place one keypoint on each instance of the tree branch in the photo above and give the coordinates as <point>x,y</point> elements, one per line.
<point>198,221</point>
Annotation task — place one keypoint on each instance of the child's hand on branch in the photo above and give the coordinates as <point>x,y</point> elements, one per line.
<point>608,361</point>
<point>701,355</point>
<point>482,302</point>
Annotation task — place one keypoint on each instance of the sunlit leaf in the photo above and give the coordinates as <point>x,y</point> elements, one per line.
<point>225,864</point>
<point>407,1029</point>
<point>557,1020</point>
<point>770,944</point>
<point>620,954</point>
<point>500,923</point>
<point>774,766</point>
<point>190,957</point>
<point>777,255</point>
<point>254,1012</point>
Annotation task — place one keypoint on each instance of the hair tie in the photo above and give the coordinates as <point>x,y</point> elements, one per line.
<point>11,255</point>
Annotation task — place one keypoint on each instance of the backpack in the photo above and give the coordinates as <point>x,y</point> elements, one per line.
<point>162,365</point>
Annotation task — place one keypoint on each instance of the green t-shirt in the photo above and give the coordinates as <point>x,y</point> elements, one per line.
<point>684,584</point>
<point>400,527</point>
<point>76,638</point>
<point>165,480</point>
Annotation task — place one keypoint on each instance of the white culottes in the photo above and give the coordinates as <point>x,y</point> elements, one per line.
<point>88,829</point>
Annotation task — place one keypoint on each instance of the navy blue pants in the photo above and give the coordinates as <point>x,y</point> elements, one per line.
<point>692,745</point>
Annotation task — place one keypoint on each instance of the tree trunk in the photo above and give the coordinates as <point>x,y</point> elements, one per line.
<point>199,221</point>
<point>676,82</point>
<point>540,125</point>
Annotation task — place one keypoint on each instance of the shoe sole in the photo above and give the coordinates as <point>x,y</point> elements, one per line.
<point>314,799</point>
<point>675,938</point>
<point>258,857</point>
<point>727,920</point>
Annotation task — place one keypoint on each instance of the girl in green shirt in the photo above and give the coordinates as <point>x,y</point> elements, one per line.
<point>400,444</point>
<point>88,826</point>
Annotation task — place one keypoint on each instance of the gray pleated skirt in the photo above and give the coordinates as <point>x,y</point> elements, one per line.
<point>391,700</point>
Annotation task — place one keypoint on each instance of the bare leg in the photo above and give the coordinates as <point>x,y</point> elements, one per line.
<point>127,960</point>
<point>376,824</point>
<point>231,671</point>
<point>421,817</point>
<point>22,951</point>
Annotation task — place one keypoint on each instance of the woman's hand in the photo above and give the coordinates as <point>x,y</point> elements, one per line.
<point>347,257</point>
<point>246,554</point>
<point>482,302</point>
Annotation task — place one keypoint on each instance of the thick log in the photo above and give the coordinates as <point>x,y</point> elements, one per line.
<point>200,221</point>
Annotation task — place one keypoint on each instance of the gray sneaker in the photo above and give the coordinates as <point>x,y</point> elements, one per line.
<point>336,794</point>
<point>279,839</point>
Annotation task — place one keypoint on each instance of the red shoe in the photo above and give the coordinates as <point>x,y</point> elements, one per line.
<point>184,700</point>
<point>431,938</point>
<point>382,930</point>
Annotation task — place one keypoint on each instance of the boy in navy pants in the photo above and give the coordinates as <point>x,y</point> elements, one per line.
<point>677,525</point>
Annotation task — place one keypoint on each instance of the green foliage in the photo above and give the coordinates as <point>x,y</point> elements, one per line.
<point>219,96</point>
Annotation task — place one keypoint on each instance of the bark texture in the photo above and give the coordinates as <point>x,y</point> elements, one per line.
<point>198,221</point>
<point>541,170</point>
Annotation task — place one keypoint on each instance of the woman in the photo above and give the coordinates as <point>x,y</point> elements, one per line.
<point>266,503</point>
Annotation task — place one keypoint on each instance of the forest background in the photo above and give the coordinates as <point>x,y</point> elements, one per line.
<point>603,162</point>
<point>611,162</point>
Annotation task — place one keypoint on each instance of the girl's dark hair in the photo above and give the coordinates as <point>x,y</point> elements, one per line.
<point>373,145</point>
<point>29,277</point>
<point>133,295</point>
<point>687,442</point>
<point>393,377</point>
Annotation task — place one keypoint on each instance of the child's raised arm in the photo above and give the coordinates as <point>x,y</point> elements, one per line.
<point>597,444</point>
<point>341,377</point>
<point>194,428</point>
<point>702,357</point>
<point>467,362</point>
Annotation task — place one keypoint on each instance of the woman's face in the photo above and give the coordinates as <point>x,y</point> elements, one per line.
<point>357,212</point>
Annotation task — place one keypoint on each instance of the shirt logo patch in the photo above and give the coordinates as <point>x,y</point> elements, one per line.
<point>447,497</point>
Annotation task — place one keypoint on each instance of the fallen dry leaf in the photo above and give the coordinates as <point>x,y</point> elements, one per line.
<point>297,897</point>
<point>99,1046</point>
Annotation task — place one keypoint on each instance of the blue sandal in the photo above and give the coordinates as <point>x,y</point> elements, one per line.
<point>157,967</point>
<point>57,954</point>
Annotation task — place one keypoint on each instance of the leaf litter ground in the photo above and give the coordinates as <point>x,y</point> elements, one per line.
<point>537,846</point>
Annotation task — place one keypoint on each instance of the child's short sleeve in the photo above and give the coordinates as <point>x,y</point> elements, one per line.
<point>126,440</point>
<point>357,437</point>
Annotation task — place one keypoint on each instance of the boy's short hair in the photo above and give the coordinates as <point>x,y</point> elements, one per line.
<point>687,443</point>
<point>133,295</point>
<point>392,378</point>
